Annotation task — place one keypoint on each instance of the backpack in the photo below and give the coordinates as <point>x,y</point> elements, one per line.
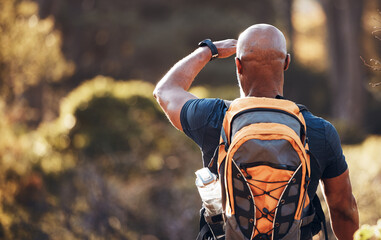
<point>264,169</point>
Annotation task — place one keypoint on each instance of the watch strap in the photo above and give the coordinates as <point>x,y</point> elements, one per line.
<point>211,46</point>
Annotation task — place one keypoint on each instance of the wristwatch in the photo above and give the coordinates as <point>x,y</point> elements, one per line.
<point>211,46</point>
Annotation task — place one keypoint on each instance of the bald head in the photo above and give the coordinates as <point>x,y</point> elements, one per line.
<point>261,59</point>
<point>261,42</point>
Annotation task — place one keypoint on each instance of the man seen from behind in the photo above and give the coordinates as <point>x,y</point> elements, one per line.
<point>261,59</point>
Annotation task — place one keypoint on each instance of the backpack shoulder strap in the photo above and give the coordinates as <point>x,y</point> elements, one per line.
<point>204,233</point>
<point>213,161</point>
<point>227,103</point>
<point>223,134</point>
<point>316,201</point>
<point>320,214</point>
<point>302,107</point>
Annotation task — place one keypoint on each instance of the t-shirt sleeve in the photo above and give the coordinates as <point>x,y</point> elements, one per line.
<point>201,120</point>
<point>336,160</point>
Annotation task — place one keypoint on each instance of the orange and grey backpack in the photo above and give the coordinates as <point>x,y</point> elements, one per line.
<point>264,169</point>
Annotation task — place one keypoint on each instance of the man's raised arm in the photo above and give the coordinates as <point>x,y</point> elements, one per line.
<point>172,90</point>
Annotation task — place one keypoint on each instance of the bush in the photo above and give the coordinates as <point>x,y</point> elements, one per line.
<point>110,167</point>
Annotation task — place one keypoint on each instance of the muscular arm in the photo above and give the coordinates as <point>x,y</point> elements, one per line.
<point>172,90</point>
<point>342,206</point>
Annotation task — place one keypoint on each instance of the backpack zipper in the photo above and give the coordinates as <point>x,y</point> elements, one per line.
<point>244,166</point>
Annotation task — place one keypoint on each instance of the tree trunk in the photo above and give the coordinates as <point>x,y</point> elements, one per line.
<point>346,70</point>
<point>286,14</point>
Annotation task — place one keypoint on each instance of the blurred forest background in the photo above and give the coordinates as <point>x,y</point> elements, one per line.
<point>85,151</point>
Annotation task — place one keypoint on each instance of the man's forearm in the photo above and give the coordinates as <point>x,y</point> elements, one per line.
<point>182,74</point>
<point>345,222</point>
<point>342,205</point>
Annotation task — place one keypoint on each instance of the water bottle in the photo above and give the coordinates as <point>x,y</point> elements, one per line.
<point>210,191</point>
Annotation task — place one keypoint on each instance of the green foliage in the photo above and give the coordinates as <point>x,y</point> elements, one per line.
<point>110,167</point>
<point>368,232</point>
<point>29,49</point>
<point>31,62</point>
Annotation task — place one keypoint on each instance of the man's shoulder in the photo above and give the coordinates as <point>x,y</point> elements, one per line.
<point>325,144</point>
<point>203,103</point>
<point>318,124</point>
<point>197,113</point>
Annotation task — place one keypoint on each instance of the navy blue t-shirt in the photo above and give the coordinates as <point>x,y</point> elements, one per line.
<point>201,120</point>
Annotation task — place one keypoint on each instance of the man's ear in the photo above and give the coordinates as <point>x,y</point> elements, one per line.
<point>238,65</point>
<point>287,61</point>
